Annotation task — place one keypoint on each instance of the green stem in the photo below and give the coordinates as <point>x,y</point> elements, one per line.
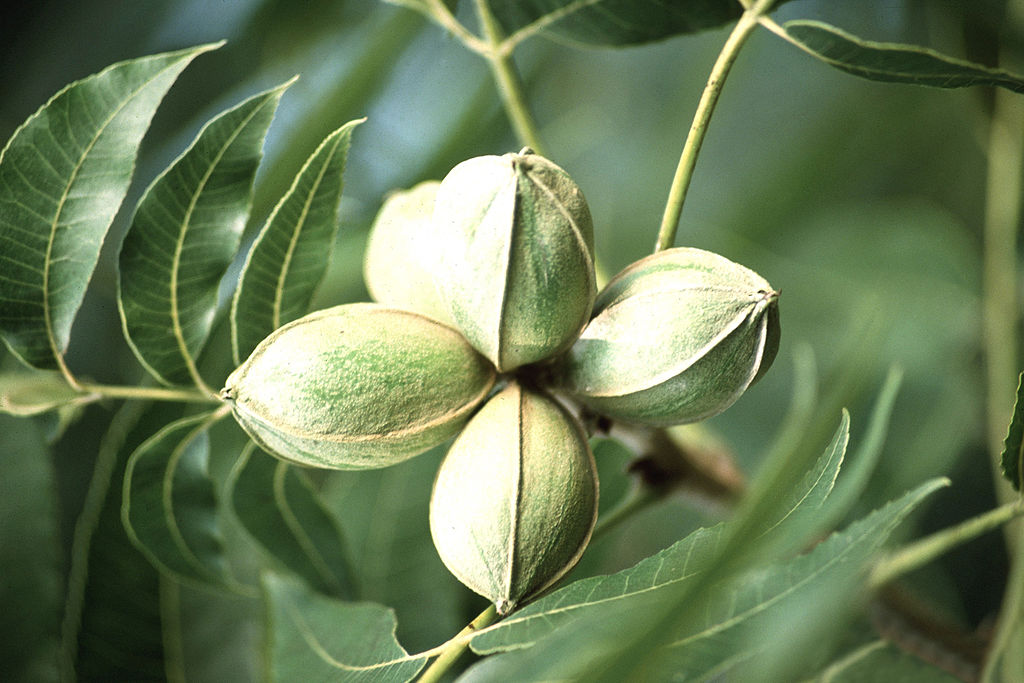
<point>1002,217</point>
<point>1011,616</point>
<point>149,393</point>
<point>1000,316</point>
<point>440,13</point>
<point>453,649</point>
<point>510,85</point>
<point>698,129</point>
<point>171,626</point>
<point>925,550</point>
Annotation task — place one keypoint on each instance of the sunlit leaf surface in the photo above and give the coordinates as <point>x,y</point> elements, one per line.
<point>183,237</point>
<point>63,175</point>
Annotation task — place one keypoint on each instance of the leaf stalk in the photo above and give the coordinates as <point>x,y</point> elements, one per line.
<point>748,21</point>
<point>182,395</point>
<point>1000,340</point>
<point>923,551</point>
<point>449,652</point>
<point>506,78</point>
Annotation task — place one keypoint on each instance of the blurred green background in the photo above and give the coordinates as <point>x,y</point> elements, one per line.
<point>862,202</point>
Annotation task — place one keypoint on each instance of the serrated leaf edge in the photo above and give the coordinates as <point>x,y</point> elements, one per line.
<point>1013,445</point>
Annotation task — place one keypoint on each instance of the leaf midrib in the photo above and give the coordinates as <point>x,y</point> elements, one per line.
<point>564,609</point>
<point>907,506</point>
<point>977,71</point>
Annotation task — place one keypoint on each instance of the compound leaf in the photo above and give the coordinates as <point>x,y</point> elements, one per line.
<point>63,175</point>
<point>708,633</point>
<point>183,237</point>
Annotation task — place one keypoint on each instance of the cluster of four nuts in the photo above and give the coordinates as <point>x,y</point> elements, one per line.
<point>488,308</point>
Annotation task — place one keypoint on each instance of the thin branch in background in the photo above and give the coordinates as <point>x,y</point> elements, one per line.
<point>438,12</point>
<point>699,128</point>
<point>510,85</point>
<point>1000,317</point>
<point>532,29</point>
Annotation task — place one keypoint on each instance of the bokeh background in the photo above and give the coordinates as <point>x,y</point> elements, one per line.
<point>862,202</point>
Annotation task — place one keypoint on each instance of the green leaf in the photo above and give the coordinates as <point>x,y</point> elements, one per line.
<point>694,635</point>
<point>112,623</point>
<point>63,175</point>
<point>652,576</point>
<point>882,661</point>
<point>33,584</point>
<point>817,583</point>
<point>32,393</point>
<point>169,504</point>
<point>891,62</point>
<point>615,22</point>
<point>799,517</point>
<point>856,475</point>
<point>1012,458</point>
<point>327,639</point>
<point>184,235</point>
<point>613,459</point>
<point>289,257</point>
<point>277,505</point>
